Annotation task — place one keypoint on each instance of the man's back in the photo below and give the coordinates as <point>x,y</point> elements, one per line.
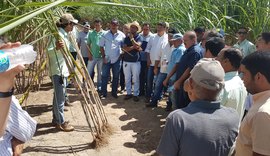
<point>202,128</point>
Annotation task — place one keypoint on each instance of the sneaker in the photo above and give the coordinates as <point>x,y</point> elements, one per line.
<point>128,96</point>
<point>115,95</point>
<point>102,96</point>
<point>136,98</point>
<point>66,127</point>
<point>67,104</point>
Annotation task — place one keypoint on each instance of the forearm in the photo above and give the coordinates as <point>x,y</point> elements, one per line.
<point>102,52</point>
<point>172,72</point>
<point>4,112</point>
<point>184,76</point>
<point>89,53</point>
<point>157,63</point>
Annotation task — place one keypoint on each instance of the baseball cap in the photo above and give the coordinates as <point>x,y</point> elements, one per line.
<point>114,21</point>
<point>67,18</point>
<point>177,36</point>
<point>208,73</point>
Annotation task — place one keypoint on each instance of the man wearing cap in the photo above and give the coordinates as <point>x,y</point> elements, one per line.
<point>154,46</point>
<point>203,127</point>
<point>243,44</point>
<point>145,35</point>
<point>176,55</point>
<point>234,93</point>
<point>254,132</point>
<point>95,57</point>
<point>131,61</point>
<point>167,58</point>
<point>190,57</point>
<point>59,71</point>
<point>110,47</point>
<point>82,40</point>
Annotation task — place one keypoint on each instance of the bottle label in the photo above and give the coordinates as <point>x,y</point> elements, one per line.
<point>4,62</point>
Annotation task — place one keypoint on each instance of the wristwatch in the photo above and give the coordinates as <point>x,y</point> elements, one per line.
<point>6,94</point>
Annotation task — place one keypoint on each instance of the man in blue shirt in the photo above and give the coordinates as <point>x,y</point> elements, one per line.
<point>131,60</point>
<point>110,47</point>
<point>191,56</point>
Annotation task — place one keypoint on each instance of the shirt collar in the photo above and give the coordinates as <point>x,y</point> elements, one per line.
<point>230,75</point>
<point>205,104</point>
<point>63,32</point>
<point>241,43</point>
<point>261,98</point>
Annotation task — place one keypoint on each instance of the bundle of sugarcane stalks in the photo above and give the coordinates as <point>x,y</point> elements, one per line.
<point>90,101</point>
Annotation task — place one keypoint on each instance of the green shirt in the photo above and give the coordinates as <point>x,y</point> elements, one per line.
<point>234,93</point>
<point>246,46</point>
<point>56,59</point>
<point>93,42</point>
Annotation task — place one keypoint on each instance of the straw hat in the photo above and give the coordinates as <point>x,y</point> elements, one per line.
<point>135,23</point>
<point>67,18</point>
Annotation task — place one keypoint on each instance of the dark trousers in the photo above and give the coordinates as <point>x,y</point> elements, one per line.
<point>181,98</point>
<point>122,77</point>
<point>143,77</point>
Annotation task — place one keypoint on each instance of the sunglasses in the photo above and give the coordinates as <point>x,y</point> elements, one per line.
<point>242,32</point>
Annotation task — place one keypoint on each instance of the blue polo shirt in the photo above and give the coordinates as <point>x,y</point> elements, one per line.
<point>202,128</point>
<point>190,58</point>
<point>133,55</point>
<point>177,53</point>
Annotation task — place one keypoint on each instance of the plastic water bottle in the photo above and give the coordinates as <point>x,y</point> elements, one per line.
<point>10,58</point>
<point>164,63</point>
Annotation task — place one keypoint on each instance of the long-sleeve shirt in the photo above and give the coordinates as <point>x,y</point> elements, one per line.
<point>20,125</point>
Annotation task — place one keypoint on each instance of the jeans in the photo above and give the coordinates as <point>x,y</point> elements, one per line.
<point>158,88</point>
<point>143,77</point>
<point>59,98</point>
<point>91,67</point>
<point>132,71</point>
<point>105,76</point>
<point>122,77</point>
<point>150,79</point>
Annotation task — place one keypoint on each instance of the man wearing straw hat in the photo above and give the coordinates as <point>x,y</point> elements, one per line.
<point>59,71</point>
<point>131,63</point>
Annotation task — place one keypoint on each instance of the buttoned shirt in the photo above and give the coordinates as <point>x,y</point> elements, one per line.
<point>155,46</point>
<point>93,41</point>
<point>234,92</point>
<point>202,128</point>
<point>82,41</point>
<point>246,46</point>
<point>112,45</point>
<point>254,133</point>
<point>145,40</point>
<point>19,125</point>
<point>57,62</point>
<point>175,58</point>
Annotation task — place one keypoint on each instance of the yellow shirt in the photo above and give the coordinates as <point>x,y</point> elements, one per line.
<point>254,134</point>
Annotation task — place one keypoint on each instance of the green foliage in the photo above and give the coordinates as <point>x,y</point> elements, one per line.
<point>185,15</point>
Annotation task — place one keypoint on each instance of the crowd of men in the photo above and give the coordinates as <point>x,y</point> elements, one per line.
<point>212,85</point>
<point>220,92</point>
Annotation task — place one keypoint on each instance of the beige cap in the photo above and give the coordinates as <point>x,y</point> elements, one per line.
<point>135,23</point>
<point>208,73</point>
<point>67,18</point>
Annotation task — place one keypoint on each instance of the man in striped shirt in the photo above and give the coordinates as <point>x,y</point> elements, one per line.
<point>16,126</point>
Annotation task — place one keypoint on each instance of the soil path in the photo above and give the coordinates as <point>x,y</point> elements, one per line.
<point>136,129</point>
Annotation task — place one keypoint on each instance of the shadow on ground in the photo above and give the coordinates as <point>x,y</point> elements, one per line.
<point>59,149</point>
<point>147,123</point>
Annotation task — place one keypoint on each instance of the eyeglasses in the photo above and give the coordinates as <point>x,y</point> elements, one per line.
<point>241,32</point>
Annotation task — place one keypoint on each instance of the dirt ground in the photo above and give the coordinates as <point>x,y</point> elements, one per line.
<point>136,129</point>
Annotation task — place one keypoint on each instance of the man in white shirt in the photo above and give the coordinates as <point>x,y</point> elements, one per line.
<point>154,46</point>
